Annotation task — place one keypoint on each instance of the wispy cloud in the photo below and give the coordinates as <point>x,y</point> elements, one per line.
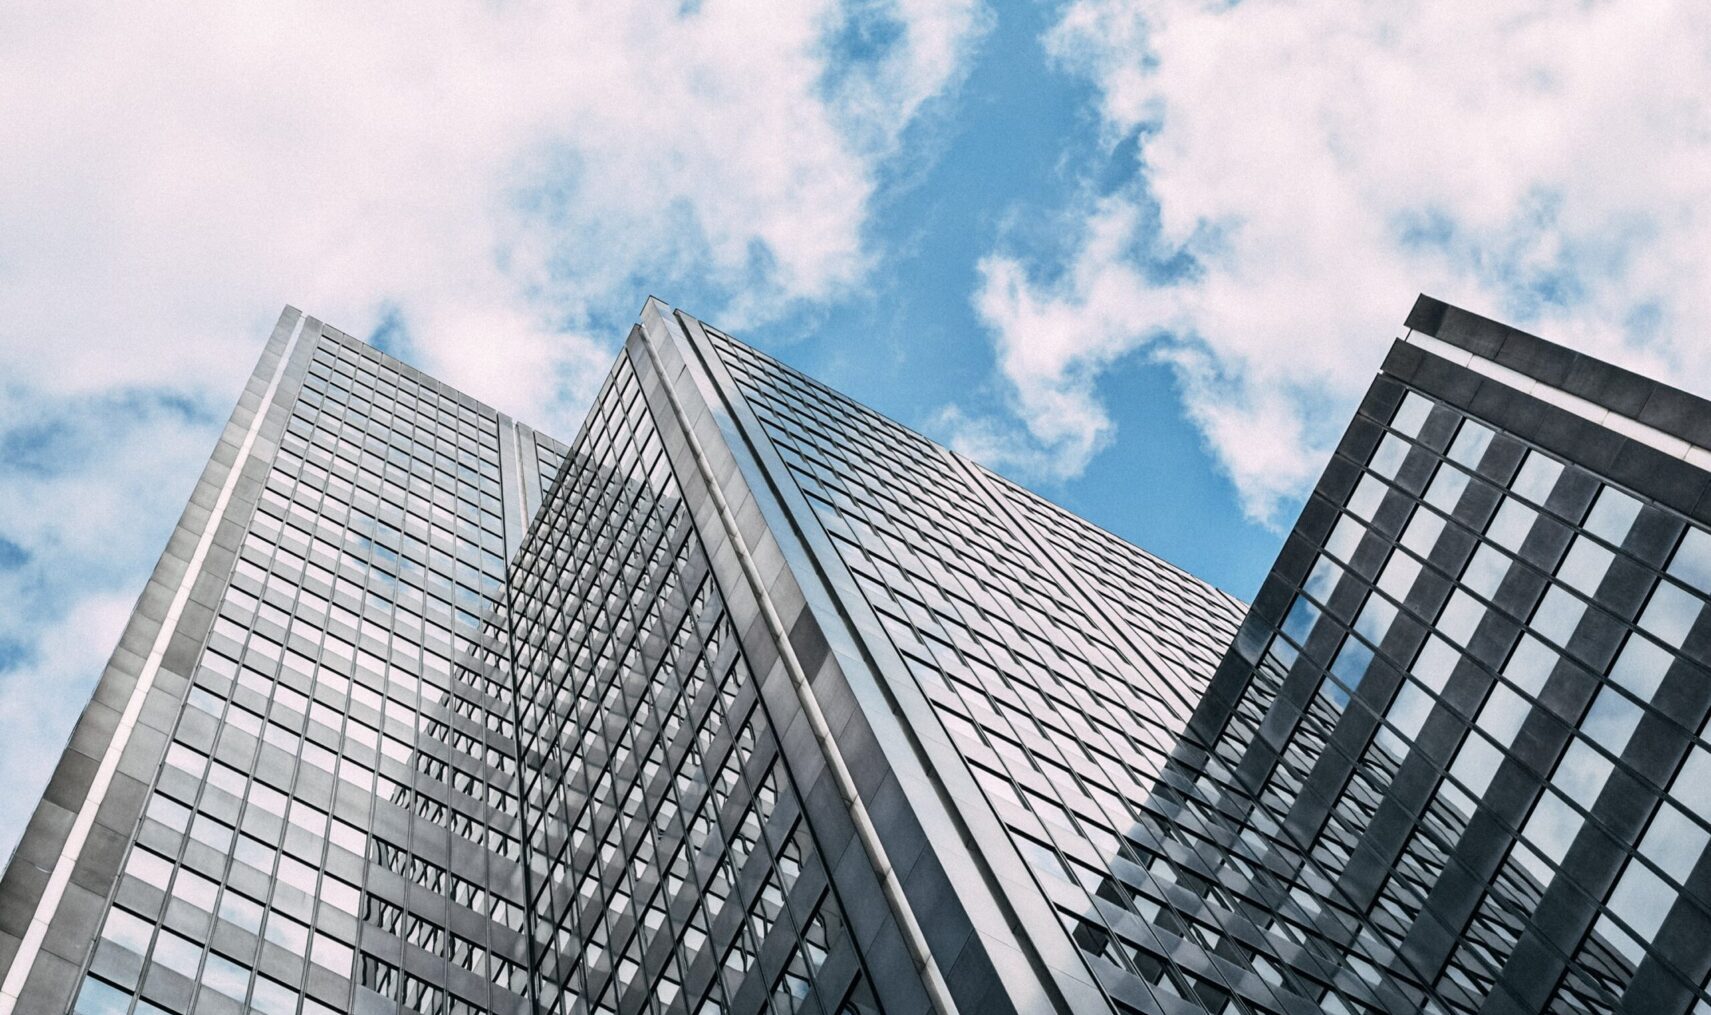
<point>492,188</point>
<point>1304,168</point>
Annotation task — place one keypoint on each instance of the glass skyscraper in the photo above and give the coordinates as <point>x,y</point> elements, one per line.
<point>750,700</point>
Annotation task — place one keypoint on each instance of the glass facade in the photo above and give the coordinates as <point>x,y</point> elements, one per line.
<point>751,700</point>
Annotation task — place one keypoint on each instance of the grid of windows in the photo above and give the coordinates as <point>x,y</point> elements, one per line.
<point>1475,665</point>
<point>331,698</point>
<point>1065,705</point>
<point>674,868</point>
<point>1456,759</point>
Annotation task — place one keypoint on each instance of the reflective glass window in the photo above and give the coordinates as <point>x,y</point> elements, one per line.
<point>1612,515</point>
<point>1671,613</point>
<point>1511,524</point>
<point>1537,477</point>
<point>1692,560</point>
<point>1470,443</point>
<point>1411,414</point>
<point>1585,565</point>
<point>1558,615</point>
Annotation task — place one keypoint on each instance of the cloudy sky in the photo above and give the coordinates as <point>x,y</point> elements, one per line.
<point>1142,255</point>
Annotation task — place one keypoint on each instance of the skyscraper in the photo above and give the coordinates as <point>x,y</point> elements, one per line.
<point>749,699</point>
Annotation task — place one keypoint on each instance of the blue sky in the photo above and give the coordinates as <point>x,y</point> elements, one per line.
<point>1141,255</point>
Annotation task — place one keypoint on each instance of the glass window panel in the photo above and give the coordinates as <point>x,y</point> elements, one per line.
<point>1530,665</point>
<point>1671,613</point>
<point>226,976</point>
<point>1503,714</point>
<point>1387,458</point>
<point>1585,565</point>
<point>132,932</point>
<point>1368,495</point>
<point>1411,414</point>
<point>1423,531</point>
<point>1674,842</point>
<point>1323,579</point>
<point>1375,618</point>
<point>1551,830</point>
<point>1692,785</point>
<point>273,998</point>
<point>289,934</point>
<point>195,889</point>
<point>1302,616</point>
<point>179,954</point>
<point>1558,614</point>
<point>98,998</point>
<point>240,910</point>
<point>149,867</point>
<point>332,954</point>
<point>1446,488</point>
<point>1476,763</point>
<point>1612,515</point>
<point>1641,666</point>
<point>1351,663</point>
<point>1692,560</point>
<point>1611,720</point>
<point>1510,526</point>
<point>1581,773</point>
<point>1470,443</point>
<point>1486,569</point>
<point>1398,576</point>
<point>1409,711</point>
<point>1345,538</point>
<point>1537,477</point>
<point>1460,617</point>
<point>1642,899</point>
<point>1436,661</point>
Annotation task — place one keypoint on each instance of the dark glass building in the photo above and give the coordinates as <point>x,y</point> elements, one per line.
<point>750,700</point>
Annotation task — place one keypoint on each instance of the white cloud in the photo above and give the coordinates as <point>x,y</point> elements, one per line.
<point>1322,162</point>
<point>498,173</point>
<point>506,180</point>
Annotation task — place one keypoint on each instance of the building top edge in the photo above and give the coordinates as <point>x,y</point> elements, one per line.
<point>1621,391</point>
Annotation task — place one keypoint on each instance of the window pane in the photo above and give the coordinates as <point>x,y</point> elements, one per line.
<point>1611,720</point>
<point>1446,488</point>
<point>1486,569</point>
<point>1411,414</point>
<point>226,976</point>
<point>178,954</point>
<point>1345,538</point>
<point>1581,773</point>
<point>1585,565</point>
<point>1476,763</point>
<point>1388,456</point>
<point>1641,666</point>
<point>97,998</point>
<point>1674,842</point>
<point>1552,828</point>
<point>1323,579</point>
<point>1530,665</point>
<point>1423,531</point>
<point>1692,560</point>
<point>132,932</point>
<point>1671,613</point>
<point>1510,527</point>
<point>1642,899</point>
<point>1503,714</point>
<point>1538,476</point>
<point>1470,444</point>
<point>1368,495</point>
<point>1558,615</point>
<point>1612,515</point>
<point>1398,576</point>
